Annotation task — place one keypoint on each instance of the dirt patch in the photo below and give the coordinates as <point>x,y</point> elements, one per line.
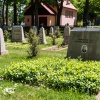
<point>55,48</point>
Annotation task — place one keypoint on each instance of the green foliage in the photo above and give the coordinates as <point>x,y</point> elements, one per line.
<point>6,35</point>
<point>54,36</point>
<point>57,33</point>
<point>33,41</point>
<point>57,74</point>
<point>54,42</point>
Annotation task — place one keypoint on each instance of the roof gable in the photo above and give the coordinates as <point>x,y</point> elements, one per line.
<point>68,5</point>
<point>44,9</point>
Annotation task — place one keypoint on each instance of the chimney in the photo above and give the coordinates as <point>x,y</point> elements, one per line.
<point>67,2</point>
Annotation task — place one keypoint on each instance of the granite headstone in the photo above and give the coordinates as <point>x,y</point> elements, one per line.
<point>42,36</point>
<point>66,34</point>
<point>34,28</point>
<point>18,34</point>
<point>51,30</point>
<point>84,43</point>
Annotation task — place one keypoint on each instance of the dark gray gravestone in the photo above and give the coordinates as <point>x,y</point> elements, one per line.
<point>84,42</point>
<point>18,34</point>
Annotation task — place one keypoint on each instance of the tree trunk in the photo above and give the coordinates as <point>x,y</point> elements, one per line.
<point>6,14</point>
<point>36,12</point>
<point>32,14</point>
<point>59,9</point>
<point>15,14</point>
<point>85,14</point>
<point>3,21</point>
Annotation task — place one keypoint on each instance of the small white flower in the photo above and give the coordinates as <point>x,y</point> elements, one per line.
<point>9,91</point>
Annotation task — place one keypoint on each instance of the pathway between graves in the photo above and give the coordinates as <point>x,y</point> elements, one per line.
<point>55,48</point>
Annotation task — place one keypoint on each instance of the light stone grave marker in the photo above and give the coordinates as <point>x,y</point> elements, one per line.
<point>42,36</point>
<point>84,42</point>
<point>51,30</point>
<point>34,28</point>
<point>2,44</point>
<point>66,34</point>
<point>18,34</point>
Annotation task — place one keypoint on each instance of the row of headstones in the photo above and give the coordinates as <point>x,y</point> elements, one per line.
<point>66,33</point>
<point>18,36</point>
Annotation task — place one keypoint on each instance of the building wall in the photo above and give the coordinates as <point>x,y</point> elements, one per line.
<point>50,20</point>
<point>27,20</point>
<point>65,19</point>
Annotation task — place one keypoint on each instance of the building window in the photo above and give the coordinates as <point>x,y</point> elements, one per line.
<point>28,20</point>
<point>68,14</point>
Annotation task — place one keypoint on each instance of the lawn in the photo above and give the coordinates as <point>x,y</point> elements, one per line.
<point>17,91</point>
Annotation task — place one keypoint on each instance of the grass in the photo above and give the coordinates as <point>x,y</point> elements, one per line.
<point>26,92</point>
<point>18,53</point>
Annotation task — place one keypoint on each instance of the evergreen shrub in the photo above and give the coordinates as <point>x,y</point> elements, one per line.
<point>57,74</point>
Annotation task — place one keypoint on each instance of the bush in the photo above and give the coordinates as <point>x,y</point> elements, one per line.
<point>6,35</point>
<point>33,41</point>
<point>57,33</point>
<point>57,74</point>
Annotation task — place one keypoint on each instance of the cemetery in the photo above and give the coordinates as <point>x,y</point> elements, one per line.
<point>44,58</point>
<point>49,69</point>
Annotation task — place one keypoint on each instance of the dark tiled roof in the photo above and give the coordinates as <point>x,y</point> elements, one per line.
<point>44,9</point>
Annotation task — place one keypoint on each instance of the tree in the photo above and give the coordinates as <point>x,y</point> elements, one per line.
<point>83,5</point>
<point>86,13</point>
<point>3,12</point>
<point>6,13</point>
<point>59,10</point>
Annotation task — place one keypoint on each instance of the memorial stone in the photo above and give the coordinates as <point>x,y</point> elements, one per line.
<point>18,34</point>
<point>5,27</point>
<point>34,28</point>
<point>55,28</point>
<point>2,44</point>
<point>66,34</point>
<point>51,30</point>
<point>42,37</point>
<point>84,43</point>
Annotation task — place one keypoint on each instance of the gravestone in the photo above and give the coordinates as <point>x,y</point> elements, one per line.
<point>5,27</point>
<point>2,44</point>
<point>51,30</point>
<point>34,28</point>
<point>42,36</point>
<point>18,34</point>
<point>66,34</point>
<point>84,42</point>
<point>55,28</point>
